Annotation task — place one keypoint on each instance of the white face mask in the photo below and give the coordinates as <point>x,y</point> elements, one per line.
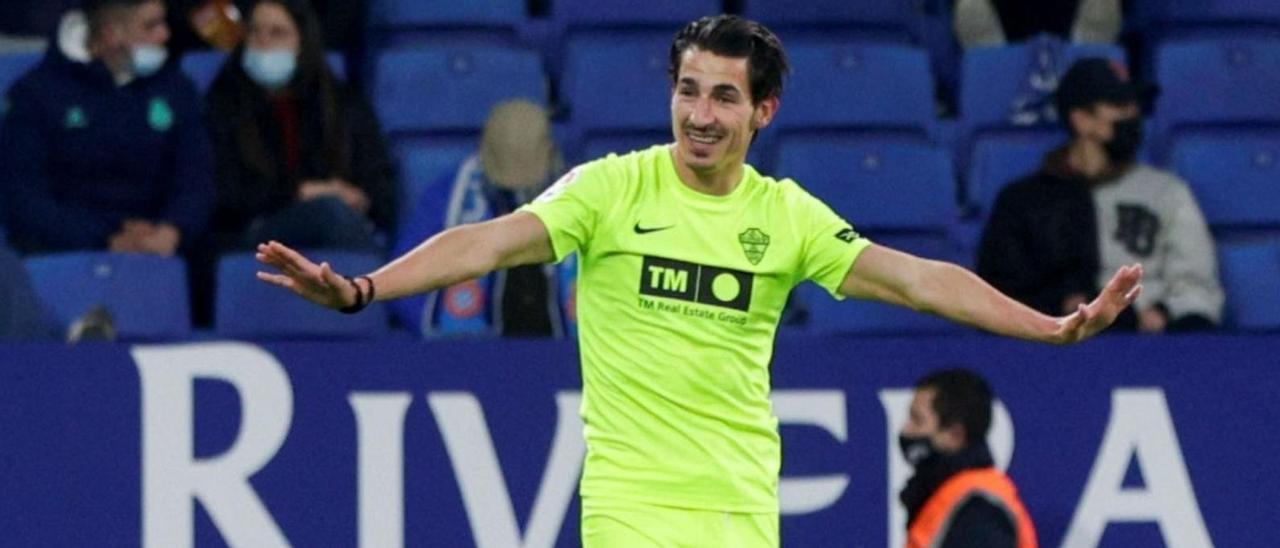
<point>270,68</point>
<point>146,60</point>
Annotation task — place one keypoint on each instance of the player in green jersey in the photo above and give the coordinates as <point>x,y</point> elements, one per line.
<point>687,258</point>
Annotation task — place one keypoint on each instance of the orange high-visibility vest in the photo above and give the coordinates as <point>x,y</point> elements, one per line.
<point>934,521</point>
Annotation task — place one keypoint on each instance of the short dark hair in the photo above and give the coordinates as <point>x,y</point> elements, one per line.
<point>95,9</point>
<point>961,396</point>
<point>733,36</point>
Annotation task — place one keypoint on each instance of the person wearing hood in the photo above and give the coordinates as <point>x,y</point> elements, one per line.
<point>300,156</point>
<point>1053,236</point>
<point>516,160</point>
<point>957,497</point>
<point>103,143</point>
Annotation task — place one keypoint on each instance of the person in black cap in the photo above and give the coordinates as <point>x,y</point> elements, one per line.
<point>1093,205</point>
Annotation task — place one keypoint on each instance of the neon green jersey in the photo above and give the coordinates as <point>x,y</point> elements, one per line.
<point>679,296</point>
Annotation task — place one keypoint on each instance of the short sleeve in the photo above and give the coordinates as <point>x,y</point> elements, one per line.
<point>572,206</point>
<point>831,245</point>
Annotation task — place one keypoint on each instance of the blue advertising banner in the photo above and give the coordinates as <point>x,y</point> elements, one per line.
<point>1122,441</point>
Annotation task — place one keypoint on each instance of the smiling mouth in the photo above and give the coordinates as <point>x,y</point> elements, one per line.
<point>703,138</point>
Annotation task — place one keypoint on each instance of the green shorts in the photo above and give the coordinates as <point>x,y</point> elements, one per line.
<point>620,524</point>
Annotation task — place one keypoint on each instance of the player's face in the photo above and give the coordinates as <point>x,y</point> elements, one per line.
<point>712,116</point>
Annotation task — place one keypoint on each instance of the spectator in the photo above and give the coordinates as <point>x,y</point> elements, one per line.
<point>300,156</point>
<point>957,498</point>
<point>1092,206</point>
<point>517,159</point>
<point>103,144</point>
<point>996,22</point>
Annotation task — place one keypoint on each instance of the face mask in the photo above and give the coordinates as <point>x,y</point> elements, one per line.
<point>1126,138</point>
<point>916,449</point>
<point>147,60</point>
<point>270,68</point>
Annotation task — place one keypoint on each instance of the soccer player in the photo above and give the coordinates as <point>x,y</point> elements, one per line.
<point>687,257</point>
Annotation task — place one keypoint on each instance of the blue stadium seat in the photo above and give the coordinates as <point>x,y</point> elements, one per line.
<point>443,13</point>
<point>425,161</point>
<point>618,81</point>
<point>1217,83</point>
<point>1000,157</point>
<point>872,14</point>
<point>670,15</point>
<point>877,184</point>
<point>146,294</point>
<point>247,308</point>
<point>1206,13</point>
<point>13,66</point>
<point>862,85</point>
<point>997,82</point>
<point>1235,175</point>
<point>622,142</point>
<point>451,88</point>
<point>825,315</point>
<point>1251,280</point>
<point>202,66</point>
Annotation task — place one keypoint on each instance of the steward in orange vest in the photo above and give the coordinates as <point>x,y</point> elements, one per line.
<point>957,498</point>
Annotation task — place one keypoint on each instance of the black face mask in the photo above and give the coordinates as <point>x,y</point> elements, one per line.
<point>916,449</point>
<point>1126,138</point>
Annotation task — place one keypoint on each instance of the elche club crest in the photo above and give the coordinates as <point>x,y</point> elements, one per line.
<point>754,243</point>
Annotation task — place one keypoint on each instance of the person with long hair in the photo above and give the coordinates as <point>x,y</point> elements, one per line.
<point>300,156</point>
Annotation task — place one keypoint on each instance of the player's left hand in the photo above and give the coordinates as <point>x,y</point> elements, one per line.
<point>1088,320</point>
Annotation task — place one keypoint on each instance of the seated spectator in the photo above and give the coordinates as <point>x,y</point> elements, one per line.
<point>300,156</point>
<point>103,144</point>
<point>1053,236</point>
<point>517,159</point>
<point>996,22</point>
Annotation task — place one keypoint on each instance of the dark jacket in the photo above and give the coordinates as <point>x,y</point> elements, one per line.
<point>252,174</point>
<point>80,155</point>
<point>977,522</point>
<point>1040,244</point>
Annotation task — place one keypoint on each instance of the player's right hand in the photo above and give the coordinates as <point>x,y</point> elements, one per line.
<point>317,283</point>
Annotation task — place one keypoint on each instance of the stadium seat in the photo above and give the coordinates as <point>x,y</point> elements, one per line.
<point>998,158</point>
<point>247,308</point>
<point>618,81</point>
<point>1206,13</point>
<point>145,294</point>
<point>13,66</point>
<point>858,85</point>
<point>425,161</point>
<point>825,315</point>
<point>203,66</point>
<point>876,183</point>
<point>669,15</point>
<point>444,14</point>
<point>1235,175</point>
<point>1013,85</point>
<point>451,88</point>
<point>1217,83</point>
<point>870,14</point>
<point>1251,280</point>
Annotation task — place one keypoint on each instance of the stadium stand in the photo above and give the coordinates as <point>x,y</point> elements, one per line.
<point>14,65</point>
<point>146,295</point>
<point>277,314</point>
<point>1251,278</point>
<point>1234,175</point>
<point>1234,84</point>
<point>398,22</point>
<point>858,85</point>
<point>202,66</point>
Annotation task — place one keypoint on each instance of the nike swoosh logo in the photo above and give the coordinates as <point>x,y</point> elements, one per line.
<point>640,230</point>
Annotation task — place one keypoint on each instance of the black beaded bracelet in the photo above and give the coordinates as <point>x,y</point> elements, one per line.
<point>363,299</point>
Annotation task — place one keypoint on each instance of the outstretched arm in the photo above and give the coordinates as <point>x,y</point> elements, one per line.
<point>460,253</point>
<point>954,293</point>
